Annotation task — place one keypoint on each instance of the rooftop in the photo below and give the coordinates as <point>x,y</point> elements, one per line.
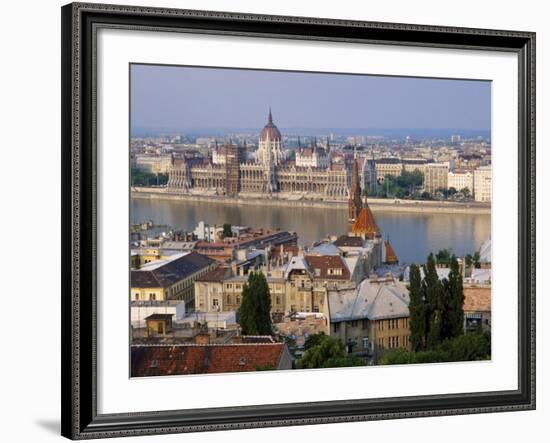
<point>327,264</point>
<point>158,360</point>
<point>477,299</point>
<point>372,300</point>
<point>169,273</point>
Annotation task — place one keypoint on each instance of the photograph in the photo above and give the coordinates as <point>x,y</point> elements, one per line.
<point>294,220</point>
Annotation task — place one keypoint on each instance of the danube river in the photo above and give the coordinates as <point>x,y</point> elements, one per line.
<point>412,235</point>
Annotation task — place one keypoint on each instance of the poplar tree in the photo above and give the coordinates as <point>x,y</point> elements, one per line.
<point>434,303</point>
<point>455,301</point>
<point>417,310</point>
<point>255,309</point>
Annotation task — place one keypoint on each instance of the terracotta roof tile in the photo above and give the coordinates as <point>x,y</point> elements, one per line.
<point>391,258</point>
<point>157,360</point>
<point>365,224</point>
<point>326,263</point>
<point>477,299</point>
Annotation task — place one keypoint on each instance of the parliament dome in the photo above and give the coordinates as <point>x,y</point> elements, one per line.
<point>270,131</point>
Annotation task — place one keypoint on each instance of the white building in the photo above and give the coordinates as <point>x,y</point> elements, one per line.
<point>205,232</point>
<point>483,184</point>
<point>157,164</point>
<point>218,156</point>
<point>270,145</point>
<point>460,180</point>
<point>313,157</point>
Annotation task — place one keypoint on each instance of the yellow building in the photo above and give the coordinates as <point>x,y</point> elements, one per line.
<point>371,319</point>
<point>143,256</point>
<point>170,279</point>
<point>158,325</point>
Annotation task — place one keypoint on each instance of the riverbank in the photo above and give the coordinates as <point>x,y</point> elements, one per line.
<point>376,204</point>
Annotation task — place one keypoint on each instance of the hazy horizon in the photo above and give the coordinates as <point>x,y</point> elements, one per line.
<point>193,99</point>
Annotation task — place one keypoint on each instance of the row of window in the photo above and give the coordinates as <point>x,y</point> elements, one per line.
<point>394,341</point>
<point>393,323</point>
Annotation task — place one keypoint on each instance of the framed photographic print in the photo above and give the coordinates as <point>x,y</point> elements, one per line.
<point>274,221</point>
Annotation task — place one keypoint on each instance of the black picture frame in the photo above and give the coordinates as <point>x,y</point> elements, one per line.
<point>79,175</point>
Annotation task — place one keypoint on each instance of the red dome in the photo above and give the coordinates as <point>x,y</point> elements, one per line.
<point>270,131</point>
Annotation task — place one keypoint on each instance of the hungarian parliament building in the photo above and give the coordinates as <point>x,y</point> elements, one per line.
<point>315,170</point>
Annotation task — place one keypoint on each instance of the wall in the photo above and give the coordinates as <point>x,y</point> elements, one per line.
<point>30,91</point>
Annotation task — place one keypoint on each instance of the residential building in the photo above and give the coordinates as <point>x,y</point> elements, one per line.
<point>205,358</point>
<point>483,184</point>
<point>388,166</point>
<point>460,179</point>
<point>158,325</point>
<point>435,177</point>
<point>372,318</point>
<point>477,308</point>
<point>209,290</point>
<point>169,279</point>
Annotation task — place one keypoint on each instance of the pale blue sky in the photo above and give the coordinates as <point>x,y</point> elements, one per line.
<point>188,98</point>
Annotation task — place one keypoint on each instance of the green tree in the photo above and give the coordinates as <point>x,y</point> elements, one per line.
<point>452,191</point>
<point>313,340</point>
<point>255,309</point>
<point>433,289</point>
<point>476,259</point>
<point>466,347</point>
<point>443,257</point>
<point>465,192</point>
<point>329,352</point>
<point>417,310</point>
<point>455,304</point>
<point>139,177</point>
<point>227,230</point>
<point>468,260</point>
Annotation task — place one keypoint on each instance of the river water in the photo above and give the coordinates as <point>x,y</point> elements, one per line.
<point>412,235</point>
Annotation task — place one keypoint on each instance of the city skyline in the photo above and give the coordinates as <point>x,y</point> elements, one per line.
<point>174,98</point>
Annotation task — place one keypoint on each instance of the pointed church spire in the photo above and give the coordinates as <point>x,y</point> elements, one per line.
<point>270,117</point>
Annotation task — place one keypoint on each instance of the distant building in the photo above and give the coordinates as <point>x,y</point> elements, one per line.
<point>455,138</point>
<point>436,177</point>
<point>483,184</point>
<point>468,161</point>
<point>388,166</point>
<point>156,164</point>
<point>312,157</point>
<point>229,172</point>
<point>461,179</point>
<point>206,232</point>
<point>415,164</point>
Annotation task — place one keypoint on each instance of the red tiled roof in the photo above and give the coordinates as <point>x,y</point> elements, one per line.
<point>346,240</point>
<point>477,299</point>
<point>326,262</point>
<point>155,360</point>
<point>365,224</point>
<point>215,275</point>
<point>391,258</point>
